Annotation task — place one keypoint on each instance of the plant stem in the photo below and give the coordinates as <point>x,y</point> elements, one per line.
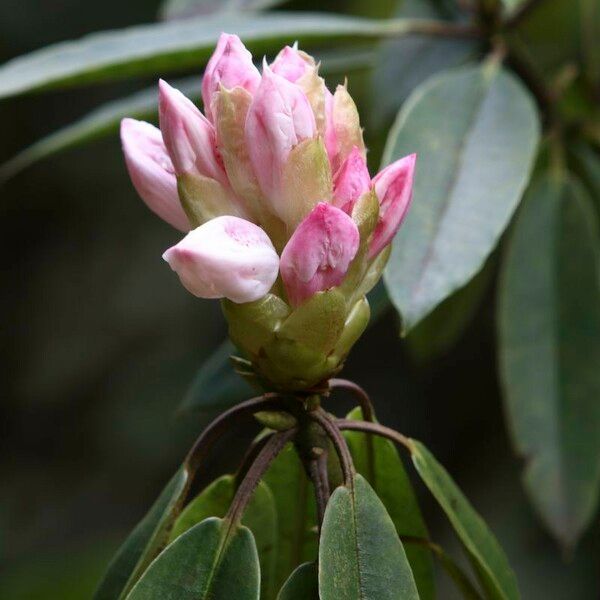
<point>339,443</point>
<point>366,406</point>
<point>273,446</point>
<point>374,428</point>
<point>317,471</point>
<point>521,12</point>
<point>250,456</point>
<point>221,424</point>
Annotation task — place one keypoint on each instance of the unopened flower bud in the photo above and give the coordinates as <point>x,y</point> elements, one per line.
<point>227,257</point>
<point>291,64</point>
<point>319,252</point>
<point>393,186</point>
<point>279,118</point>
<point>188,134</point>
<point>152,172</point>
<point>230,66</point>
<point>351,181</point>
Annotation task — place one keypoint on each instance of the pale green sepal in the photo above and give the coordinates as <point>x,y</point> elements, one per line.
<point>278,420</point>
<point>355,325</point>
<point>306,180</point>
<point>318,323</point>
<point>204,198</point>
<point>374,272</point>
<point>252,325</point>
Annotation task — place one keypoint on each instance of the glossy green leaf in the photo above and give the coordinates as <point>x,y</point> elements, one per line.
<point>404,63</point>
<point>183,9</point>
<point>487,557</point>
<point>144,542</point>
<point>260,517</point>
<point>302,584</point>
<point>549,334</point>
<point>475,131</point>
<point>176,45</point>
<point>216,384</point>
<point>360,554</point>
<point>212,560</point>
<point>104,120</point>
<point>296,513</point>
<point>384,470</point>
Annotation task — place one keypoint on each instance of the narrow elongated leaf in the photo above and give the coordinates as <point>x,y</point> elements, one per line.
<point>176,45</point>
<point>384,470</point>
<point>549,333</point>
<point>260,517</point>
<point>586,164</point>
<point>486,555</point>
<point>302,584</point>
<point>475,131</point>
<point>360,554</point>
<point>296,513</point>
<point>212,560</point>
<point>144,542</point>
<point>183,9</point>
<point>104,120</point>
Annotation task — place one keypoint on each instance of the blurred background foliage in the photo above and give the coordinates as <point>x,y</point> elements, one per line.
<point>100,342</point>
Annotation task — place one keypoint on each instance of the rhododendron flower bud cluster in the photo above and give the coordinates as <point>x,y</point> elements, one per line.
<point>284,222</point>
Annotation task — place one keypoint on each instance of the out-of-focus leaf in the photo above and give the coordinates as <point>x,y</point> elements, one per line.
<point>104,120</point>
<point>144,542</point>
<point>260,517</point>
<point>296,513</point>
<point>475,131</point>
<point>183,9</point>
<point>487,557</point>
<point>438,332</point>
<point>549,334</point>
<point>386,474</point>
<point>162,47</point>
<point>302,584</point>
<point>360,554</point>
<point>404,63</point>
<point>216,384</point>
<point>537,33</point>
<point>212,560</point>
<point>586,164</point>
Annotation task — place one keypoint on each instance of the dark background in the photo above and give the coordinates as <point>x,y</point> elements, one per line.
<point>100,341</point>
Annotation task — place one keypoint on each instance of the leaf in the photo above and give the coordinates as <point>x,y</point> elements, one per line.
<point>214,559</point>
<point>360,554</point>
<point>183,9</point>
<point>405,63</point>
<point>302,584</point>
<point>437,333</point>
<point>386,474</point>
<point>586,164</point>
<point>260,517</point>
<point>175,45</point>
<point>296,513</point>
<point>144,542</point>
<point>475,131</point>
<point>105,119</point>
<point>549,344</point>
<point>216,384</point>
<point>486,555</point>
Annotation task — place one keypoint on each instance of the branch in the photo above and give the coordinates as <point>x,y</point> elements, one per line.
<point>374,428</point>
<point>317,471</point>
<point>266,456</point>
<point>366,405</point>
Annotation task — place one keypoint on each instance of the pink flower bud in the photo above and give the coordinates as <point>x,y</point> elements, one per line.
<point>226,257</point>
<point>351,181</point>
<point>291,64</point>
<point>319,253</point>
<point>188,134</point>
<point>230,66</point>
<point>393,187</point>
<point>152,172</point>
<point>279,117</point>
